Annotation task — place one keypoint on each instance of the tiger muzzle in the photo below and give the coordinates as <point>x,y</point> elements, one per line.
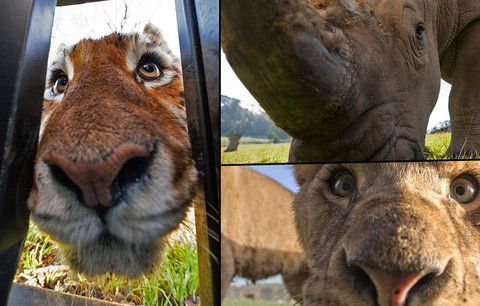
<point>98,182</point>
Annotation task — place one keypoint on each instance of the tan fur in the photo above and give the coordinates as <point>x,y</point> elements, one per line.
<point>401,219</point>
<point>106,105</point>
<point>258,234</point>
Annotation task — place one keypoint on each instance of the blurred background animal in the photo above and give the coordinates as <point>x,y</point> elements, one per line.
<point>259,239</point>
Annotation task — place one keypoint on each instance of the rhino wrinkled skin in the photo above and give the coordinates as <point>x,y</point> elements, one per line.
<point>356,80</point>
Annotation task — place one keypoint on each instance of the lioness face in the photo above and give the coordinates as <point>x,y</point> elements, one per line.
<point>390,233</point>
<point>113,171</point>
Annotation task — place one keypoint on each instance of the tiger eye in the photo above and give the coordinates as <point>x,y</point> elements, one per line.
<point>60,85</point>
<point>149,71</point>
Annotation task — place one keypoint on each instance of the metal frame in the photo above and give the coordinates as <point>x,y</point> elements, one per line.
<point>24,45</point>
<point>198,30</point>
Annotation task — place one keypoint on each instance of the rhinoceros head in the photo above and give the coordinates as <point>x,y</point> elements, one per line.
<point>348,80</point>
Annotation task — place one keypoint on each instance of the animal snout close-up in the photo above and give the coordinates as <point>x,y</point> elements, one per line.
<point>100,183</point>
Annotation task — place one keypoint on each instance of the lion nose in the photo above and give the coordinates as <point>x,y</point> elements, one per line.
<point>95,180</point>
<point>393,288</point>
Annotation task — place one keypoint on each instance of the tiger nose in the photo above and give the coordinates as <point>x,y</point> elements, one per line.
<point>393,288</point>
<point>94,179</point>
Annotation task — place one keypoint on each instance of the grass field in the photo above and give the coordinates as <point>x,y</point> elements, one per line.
<point>246,140</point>
<point>437,145</point>
<point>229,302</point>
<point>257,154</point>
<point>175,279</point>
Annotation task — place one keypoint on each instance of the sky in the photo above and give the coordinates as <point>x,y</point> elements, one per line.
<point>283,174</point>
<point>231,86</point>
<point>93,20</point>
<point>75,22</point>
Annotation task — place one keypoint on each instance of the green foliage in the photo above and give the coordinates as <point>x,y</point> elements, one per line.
<point>246,140</point>
<point>236,119</point>
<point>38,247</point>
<point>264,153</point>
<point>174,280</point>
<point>275,132</point>
<point>177,278</point>
<point>257,154</point>
<point>437,145</point>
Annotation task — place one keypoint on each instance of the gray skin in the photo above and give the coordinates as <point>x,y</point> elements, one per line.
<point>357,80</point>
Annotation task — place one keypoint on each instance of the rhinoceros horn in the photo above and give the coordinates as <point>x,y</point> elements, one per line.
<point>302,60</point>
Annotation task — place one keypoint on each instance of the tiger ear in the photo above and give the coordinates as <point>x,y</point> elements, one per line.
<point>154,34</point>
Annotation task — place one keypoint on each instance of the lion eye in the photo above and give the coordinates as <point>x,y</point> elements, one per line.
<point>344,185</point>
<point>60,85</point>
<point>149,71</point>
<point>463,189</point>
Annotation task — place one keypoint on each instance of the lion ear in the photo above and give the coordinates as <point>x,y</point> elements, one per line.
<point>305,173</point>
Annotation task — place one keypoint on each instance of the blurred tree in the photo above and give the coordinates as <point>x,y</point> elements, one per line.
<point>236,119</point>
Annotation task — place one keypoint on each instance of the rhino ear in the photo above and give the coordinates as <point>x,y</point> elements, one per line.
<point>305,173</point>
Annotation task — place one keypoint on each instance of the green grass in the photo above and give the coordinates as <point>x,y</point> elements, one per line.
<point>230,302</point>
<point>246,140</point>
<point>173,281</point>
<point>257,154</point>
<point>437,145</point>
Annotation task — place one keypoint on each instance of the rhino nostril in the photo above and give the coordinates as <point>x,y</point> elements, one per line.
<point>63,179</point>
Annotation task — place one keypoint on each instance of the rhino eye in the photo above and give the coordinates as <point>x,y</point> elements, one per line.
<point>344,184</point>
<point>420,32</point>
<point>463,189</point>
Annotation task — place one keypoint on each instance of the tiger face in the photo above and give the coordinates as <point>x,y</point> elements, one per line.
<point>113,172</point>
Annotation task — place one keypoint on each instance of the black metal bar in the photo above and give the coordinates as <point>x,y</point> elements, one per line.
<point>25,30</point>
<point>208,28</point>
<point>198,24</point>
<point>8,260</point>
<point>72,2</point>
